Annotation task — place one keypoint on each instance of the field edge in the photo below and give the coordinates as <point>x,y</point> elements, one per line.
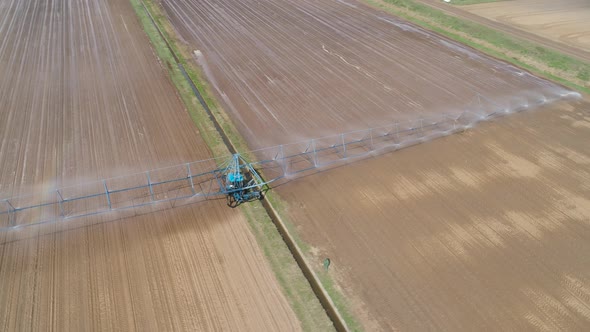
<point>537,59</point>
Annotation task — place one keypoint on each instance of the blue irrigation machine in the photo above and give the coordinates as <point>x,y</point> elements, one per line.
<point>240,182</point>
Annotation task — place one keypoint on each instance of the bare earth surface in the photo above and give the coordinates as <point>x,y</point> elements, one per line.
<point>192,268</point>
<point>289,70</point>
<point>488,228</point>
<point>83,97</point>
<point>566,21</point>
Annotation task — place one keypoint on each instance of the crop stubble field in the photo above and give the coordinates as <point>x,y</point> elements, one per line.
<point>484,228</point>
<point>83,97</point>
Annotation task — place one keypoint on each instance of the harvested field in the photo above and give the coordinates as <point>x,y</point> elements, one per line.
<point>563,21</point>
<point>286,71</point>
<point>488,228</point>
<point>83,97</point>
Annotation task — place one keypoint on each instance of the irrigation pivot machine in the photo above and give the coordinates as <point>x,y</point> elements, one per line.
<point>240,182</point>
<point>233,176</point>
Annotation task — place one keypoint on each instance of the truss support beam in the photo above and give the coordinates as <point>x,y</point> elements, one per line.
<point>150,185</point>
<point>107,193</point>
<point>61,203</point>
<point>190,178</point>
<point>11,213</point>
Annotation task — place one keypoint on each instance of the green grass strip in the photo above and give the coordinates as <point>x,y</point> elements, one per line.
<point>472,2</point>
<point>540,60</point>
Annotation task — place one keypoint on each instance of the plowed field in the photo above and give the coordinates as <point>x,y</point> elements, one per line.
<point>193,268</point>
<point>288,70</point>
<point>488,228</point>
<point>84,97</point>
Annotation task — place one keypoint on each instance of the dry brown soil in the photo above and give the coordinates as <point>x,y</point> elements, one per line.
<point>83,97</point>
<point>487,228</point>
<point>565,21</point>
<point>192,268</point>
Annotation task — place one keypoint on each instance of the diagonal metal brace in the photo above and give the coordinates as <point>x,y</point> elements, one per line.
<point>11,213</point>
